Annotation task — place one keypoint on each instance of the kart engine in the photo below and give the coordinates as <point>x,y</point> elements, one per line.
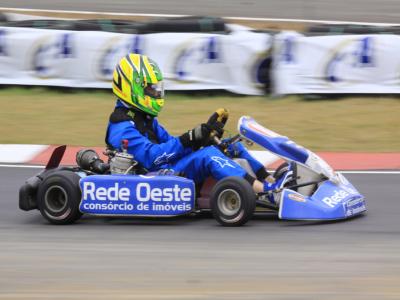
<point>122,163</point>
<point>119,162</point>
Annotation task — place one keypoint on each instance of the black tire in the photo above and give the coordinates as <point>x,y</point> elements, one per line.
<point>59,197</point>
<point>233,201</point>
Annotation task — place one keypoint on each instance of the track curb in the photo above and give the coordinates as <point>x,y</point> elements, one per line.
<point>39,154</point>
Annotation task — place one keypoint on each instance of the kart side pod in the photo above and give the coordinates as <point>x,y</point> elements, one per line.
<point>130,195</point>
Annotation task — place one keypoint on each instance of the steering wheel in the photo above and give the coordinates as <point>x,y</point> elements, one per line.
<point>219,119</point>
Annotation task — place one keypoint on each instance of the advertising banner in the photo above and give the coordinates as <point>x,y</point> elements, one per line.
<point>336,64</point>
<point>86,59</point>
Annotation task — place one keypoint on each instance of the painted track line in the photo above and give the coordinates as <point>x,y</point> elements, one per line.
<point>27,10</point>
<point>21,166</point>
<point>343,172</point>
<point>370,172</point>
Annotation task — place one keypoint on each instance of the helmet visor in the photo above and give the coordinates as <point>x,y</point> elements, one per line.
<point>155,90</point>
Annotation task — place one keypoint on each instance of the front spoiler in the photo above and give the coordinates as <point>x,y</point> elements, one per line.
<point>329,202</point>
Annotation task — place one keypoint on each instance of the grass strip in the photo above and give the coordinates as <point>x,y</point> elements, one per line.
<point>51,116</point>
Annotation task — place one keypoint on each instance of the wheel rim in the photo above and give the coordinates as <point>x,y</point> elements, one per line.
<point>229,202</point>
<point>56,199</point>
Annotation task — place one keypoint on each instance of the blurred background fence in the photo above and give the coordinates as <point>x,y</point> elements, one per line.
<point>202,53</point>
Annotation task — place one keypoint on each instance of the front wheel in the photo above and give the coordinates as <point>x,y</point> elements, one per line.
<point>233,201</point>
<point>59,197</point>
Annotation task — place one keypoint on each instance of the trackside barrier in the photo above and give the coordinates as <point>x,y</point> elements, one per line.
<point>204,53</point>
<point>336,64</point>
<point>236,62</point>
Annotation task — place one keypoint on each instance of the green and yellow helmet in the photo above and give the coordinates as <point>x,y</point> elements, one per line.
<point>137,80</point>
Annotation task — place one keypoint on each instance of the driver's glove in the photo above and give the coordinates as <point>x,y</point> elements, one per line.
<point>196,137</point>
<point>217,122</point>
<point>217,128</point>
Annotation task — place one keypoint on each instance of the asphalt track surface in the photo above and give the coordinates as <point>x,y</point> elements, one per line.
<point>194,258</point>
<point>385,11</point>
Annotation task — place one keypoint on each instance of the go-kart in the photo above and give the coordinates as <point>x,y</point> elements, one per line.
<point>122,188</point>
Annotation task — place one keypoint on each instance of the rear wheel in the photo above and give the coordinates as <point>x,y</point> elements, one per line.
<point>59,197</point>
<point>233,201</point>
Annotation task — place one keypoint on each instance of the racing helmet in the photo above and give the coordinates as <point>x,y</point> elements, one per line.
<point>137,80</point>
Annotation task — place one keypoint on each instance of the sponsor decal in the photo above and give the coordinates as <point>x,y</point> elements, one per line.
<point>355,202</point>
<point>264,131</point>
<point>145,193</point>
<point>163,158</point>
<point>108,206</point>
<point>354,207</point>
<point>142,198</point>
<point>297,197</point>
<point>338,196</point>
<point>222,161</point>
<point>90,192</point>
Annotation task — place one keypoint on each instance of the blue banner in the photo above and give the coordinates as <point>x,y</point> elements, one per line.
<point>137,195</point>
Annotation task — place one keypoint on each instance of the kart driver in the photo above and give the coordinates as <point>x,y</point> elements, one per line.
<point>138,85</point>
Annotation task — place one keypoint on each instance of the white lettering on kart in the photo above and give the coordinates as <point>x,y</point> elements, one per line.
<point>161,198</point>
<point>113,193</point>
<point>145,193</point>
<point>108,206</point>
<point>338,196</point>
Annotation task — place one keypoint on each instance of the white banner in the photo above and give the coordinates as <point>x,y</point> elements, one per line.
<point>189,61</point>
<point>336,64</point>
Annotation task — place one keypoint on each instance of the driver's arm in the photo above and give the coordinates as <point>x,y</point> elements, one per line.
<point>162,134</point>
<point>148,154</point>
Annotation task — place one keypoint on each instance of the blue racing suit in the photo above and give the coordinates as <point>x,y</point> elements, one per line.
<point>154,148</point>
